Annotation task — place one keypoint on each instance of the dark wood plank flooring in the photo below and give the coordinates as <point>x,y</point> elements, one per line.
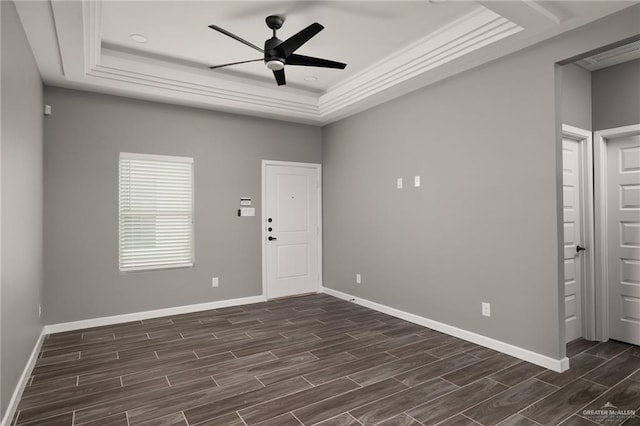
<point>312,360</point>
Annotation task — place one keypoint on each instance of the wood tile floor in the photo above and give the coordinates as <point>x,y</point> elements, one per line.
<point>311,360</point>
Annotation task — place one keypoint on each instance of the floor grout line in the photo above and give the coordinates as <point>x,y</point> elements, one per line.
<point>296,326</point>
<point>239,416</point>
<point>547,383</point>
<point>467,417</point>
<point>294,416</point>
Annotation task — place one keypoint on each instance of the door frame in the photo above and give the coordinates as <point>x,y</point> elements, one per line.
<point>263,219</point>
<point>600,209</point>
<point>588,302</point>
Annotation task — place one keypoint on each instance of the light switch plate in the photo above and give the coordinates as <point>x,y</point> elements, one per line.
<point>399,183</point>
<point>486,309</point>
<point>416,181</point>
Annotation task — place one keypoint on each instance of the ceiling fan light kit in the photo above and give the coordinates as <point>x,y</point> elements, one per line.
<point>275,64</point>
<point>278,53</point>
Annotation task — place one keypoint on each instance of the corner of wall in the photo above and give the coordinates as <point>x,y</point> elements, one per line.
<point>1,387</point>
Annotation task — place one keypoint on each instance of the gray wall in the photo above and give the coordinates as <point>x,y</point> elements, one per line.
<point>83,139</point>
<point>616,96</point>
<point>21,154</point>
<point>576,96</point>
<point>485,225</point>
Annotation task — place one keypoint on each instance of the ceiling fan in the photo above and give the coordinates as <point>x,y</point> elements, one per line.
<point>278,53</point>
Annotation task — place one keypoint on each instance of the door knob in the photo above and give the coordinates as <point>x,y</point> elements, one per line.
<point>579,249</point>
<point>272,238</point>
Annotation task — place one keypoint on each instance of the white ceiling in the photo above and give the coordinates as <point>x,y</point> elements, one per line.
<point>179,32</point>
<point>390,47</point>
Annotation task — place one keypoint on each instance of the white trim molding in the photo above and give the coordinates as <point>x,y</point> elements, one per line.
<point>111,320</point>
<point>67,42</point>
<point>558,365</point>
<point>85,60</point>
<point>139,316</point>
<point>22,382</point>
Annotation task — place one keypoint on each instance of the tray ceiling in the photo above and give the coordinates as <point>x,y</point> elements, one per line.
<point>391,47</point>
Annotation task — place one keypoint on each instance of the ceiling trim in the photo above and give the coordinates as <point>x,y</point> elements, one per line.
<point>470,32</point>
<point>65,37</point>
<point>474,30</point>
<point>122,68</point>
<point>545,10</point>
<point>625,53</point>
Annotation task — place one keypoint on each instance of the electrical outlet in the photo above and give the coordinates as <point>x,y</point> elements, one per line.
<point>486,309</point>
<point>214,282</point>
<point>39,310</point>
<point>358,279</point>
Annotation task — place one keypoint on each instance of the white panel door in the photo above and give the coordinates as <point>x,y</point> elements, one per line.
<point>571,193</point>
<point>623,238</point>
<point>292,230</point>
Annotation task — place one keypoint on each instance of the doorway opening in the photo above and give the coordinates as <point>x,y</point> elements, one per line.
<point>601,197</point>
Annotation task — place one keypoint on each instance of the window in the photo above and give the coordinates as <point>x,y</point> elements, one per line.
<point>156,212</point>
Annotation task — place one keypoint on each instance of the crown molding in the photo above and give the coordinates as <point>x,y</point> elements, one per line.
<point>625,53</point>
<point>82,61</point>
<point>87,62</point>
<point>472,31</point>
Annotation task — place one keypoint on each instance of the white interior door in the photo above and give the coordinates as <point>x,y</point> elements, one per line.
<point>623,237</point>
<point>291,228</point>
<point>572,216</point>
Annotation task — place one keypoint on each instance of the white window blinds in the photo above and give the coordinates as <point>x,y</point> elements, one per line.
<point>156,212</point>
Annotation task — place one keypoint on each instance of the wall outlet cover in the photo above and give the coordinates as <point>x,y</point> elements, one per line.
<point>358,279</point>
<point>399,183</point>
<point>214,282</point>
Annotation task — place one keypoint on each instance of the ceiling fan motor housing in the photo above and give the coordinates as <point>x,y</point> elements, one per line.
<point>272,58</point>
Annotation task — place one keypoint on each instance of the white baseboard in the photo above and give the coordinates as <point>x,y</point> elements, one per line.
<point>558,365</point>
<point>97,322</point>
<point>22,382</point>
<point>138,316</point>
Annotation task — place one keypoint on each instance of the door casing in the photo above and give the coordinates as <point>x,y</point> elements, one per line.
<point>265,164</point>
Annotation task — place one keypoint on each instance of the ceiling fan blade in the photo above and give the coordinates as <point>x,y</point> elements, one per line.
<point>291,44</point>
<point>279,75</point>
<point>309,61</point>
<point>235,37</point>
<point>235,63</point>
